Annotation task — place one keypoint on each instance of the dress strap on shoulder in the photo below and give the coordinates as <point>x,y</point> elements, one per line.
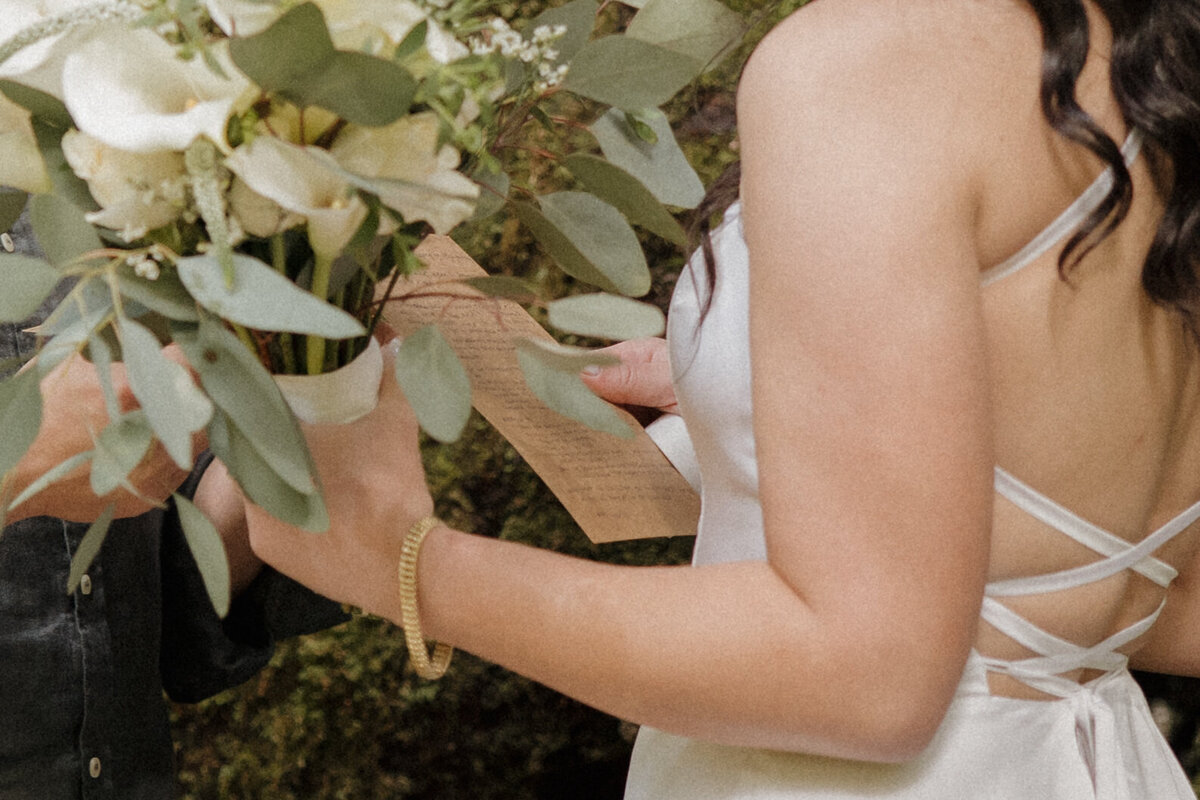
<point>1069,219</point>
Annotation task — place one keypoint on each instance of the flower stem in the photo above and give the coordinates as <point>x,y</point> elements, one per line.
<point>279,261</point>
<point>315,352</point>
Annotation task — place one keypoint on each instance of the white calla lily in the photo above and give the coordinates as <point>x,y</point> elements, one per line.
<point>303,185</point>
<point>38,65</point>
<point>130,90</point>
<point>137,192</point>
<point>21,163</point>
<point>418,179</point>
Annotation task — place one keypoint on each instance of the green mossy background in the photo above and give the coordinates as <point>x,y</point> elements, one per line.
<point>339,715</point>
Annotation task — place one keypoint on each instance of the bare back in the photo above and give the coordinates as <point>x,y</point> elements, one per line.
<point>1095,388</point>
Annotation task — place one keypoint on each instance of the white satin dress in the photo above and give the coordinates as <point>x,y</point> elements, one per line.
<point>1098,742</point>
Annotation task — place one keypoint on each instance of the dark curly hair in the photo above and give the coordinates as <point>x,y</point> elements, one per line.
<point>1155,76</point>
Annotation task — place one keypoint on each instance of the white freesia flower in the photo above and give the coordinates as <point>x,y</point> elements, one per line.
<point>137,192</point>
<point>421,181</point>
<point>21,164</point>
<point>303,185</point>
<point>129,89</point>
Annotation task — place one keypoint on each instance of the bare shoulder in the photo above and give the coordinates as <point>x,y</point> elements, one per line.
<point>926,62</point>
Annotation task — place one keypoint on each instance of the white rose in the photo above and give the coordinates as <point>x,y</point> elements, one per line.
<point>21,163</point>
<point>130,90</point>
<point>418,179</point>
<point>301,184</point>
<point>137,192</point>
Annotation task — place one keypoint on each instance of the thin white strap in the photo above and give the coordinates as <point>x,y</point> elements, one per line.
<point>1090,573</point>
<point>1046,644</point>
<point>1067,522</point>
<point>1069,219</point>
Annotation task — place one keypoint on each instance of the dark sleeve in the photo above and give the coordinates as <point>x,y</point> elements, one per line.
<point>202,654</point>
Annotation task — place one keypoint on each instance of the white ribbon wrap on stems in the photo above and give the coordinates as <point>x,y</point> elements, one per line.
<point>336,397</point>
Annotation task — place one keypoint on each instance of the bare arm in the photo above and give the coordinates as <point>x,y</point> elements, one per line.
<point>874,446</point>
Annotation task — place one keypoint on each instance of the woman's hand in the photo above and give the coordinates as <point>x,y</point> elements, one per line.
<point>643,378</point>
<point>373,481</point>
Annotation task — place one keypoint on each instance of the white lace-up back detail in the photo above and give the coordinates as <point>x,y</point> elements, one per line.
<point>1086,741</point>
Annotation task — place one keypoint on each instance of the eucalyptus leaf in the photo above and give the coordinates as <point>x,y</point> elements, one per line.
<point>627,194</point>
<point>89,302</point>
<point>44,107</point>
<point>504,287</point>
<point>50,476</point>
<point>660,166</point>
<point>590,240</point>
<point>243,390</point>
<point>119,448</point>
<point>262,298</point>
<point>435,383</point>
<point>67,184</point>
<point>629,73</point>
<point>579,18</point>
<point>101,356</point>
<point>20,416</point>
<point>27,282</point>
<point>703,30</point>
<point>12,203</point>
<point>607,316</point>
<point>259,481</point>
<point>552,373</point>
<point>493,191</point>
<point>164,295</point>
<point>61,229</point>
<point>89,548</point>
<point>70,339</point>
<point>174,405</point>
<point>296,59</point>
<point>209,551</point>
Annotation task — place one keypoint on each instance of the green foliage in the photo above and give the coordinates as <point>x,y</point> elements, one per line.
<point>205,544</point>
<point>262,298</point>
<point>606,316</point>
<point>435,383</point>
<point>27,282</point>
<point>295,58</point>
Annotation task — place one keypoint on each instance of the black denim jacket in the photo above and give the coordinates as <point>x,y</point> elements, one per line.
<point>82,713</point>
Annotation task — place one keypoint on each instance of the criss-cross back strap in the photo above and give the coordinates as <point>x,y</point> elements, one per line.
<point>1089,573</point>
<point>1067,522</point>
<point>1069,219</point>
<point>1055,654</point>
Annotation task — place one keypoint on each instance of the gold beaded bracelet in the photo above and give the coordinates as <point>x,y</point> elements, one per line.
<point>429,668</point>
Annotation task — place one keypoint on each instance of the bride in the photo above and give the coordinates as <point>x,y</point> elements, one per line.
<point>943,384</point>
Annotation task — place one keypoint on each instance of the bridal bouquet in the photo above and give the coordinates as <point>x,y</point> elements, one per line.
<point>242,177</point>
